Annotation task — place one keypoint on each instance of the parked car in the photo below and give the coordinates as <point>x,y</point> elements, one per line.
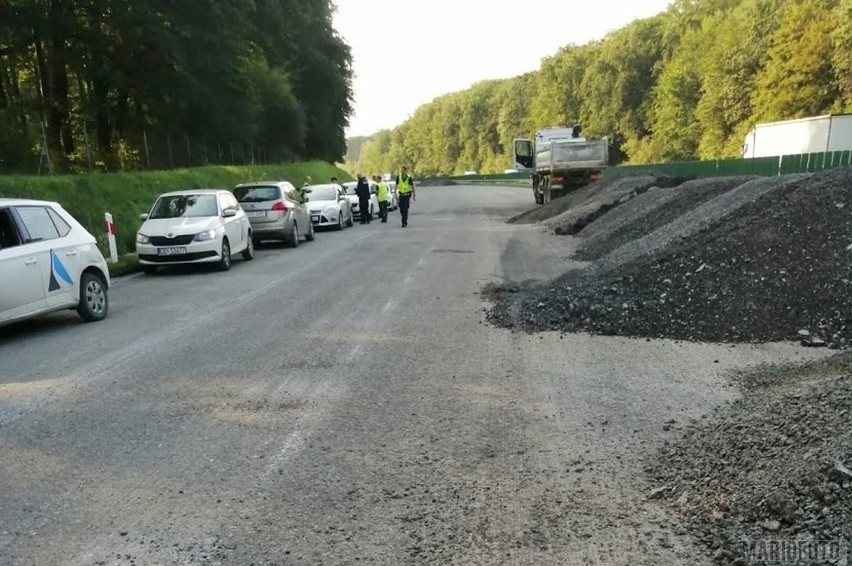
<point>48,262</point>
<point>276,211</point>
<point>188,227</point>
<point>328,206</point>
<point>353,199</point>
<point>470,173</point>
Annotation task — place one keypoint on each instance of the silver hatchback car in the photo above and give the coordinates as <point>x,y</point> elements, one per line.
<point>276,211</point>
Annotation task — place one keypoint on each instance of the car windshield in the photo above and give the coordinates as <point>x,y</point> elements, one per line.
<point>350,188</point>
<point>322,192</point>
<point>257,194</point>
<point>185,206</point>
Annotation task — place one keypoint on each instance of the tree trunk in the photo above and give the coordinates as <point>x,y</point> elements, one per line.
<point>58,118</point>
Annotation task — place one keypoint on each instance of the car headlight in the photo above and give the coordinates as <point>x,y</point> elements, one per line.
<point>204,236</point>
<point>142,238</point>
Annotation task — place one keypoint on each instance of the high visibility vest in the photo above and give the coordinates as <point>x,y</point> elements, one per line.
<point>382,195</point>
<point>404,185</point>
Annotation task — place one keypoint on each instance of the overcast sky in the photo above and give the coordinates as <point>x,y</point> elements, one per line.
<point>408,52</point>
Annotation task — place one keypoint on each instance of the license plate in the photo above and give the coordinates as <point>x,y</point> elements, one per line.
<point>171,251</point>
<point>315,218</point>
<point>256,213</point>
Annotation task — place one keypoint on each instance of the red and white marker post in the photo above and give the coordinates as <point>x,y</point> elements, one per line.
<point>110,228</point>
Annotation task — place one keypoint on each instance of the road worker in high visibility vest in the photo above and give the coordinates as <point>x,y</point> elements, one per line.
<point>405,190</point>
<point>383,196</point>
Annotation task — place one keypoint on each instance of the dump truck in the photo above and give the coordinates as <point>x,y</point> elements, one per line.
<point>816,134</point>
<point>560,160</point>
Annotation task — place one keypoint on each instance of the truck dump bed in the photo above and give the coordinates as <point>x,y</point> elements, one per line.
<point>567,155</point>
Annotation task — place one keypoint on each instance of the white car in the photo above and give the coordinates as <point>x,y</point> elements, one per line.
<point>353,199</point>
<point>328,206</point>
<point>187,227</point>
<point>48,262</point>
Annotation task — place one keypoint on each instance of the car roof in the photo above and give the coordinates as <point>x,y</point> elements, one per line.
<point>334,185</point>
<point>195,192</point>
<point>281,184</point>
<point>25,202</point>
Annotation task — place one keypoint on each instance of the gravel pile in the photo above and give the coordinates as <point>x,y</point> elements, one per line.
<point>770,260</point>
<point>581,196</point>
<point>774,465</point>
<point>598,205</point>
<point>648,212</point>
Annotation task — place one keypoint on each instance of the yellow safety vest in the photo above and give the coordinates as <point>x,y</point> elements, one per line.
<point>382,195</point>
<point>404,186</point>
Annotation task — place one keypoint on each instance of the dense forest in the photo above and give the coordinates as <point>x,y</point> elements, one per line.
<point>687,83</point>
<point>128,84</point>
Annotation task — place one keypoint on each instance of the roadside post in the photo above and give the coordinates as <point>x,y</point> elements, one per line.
<point>110,227</point>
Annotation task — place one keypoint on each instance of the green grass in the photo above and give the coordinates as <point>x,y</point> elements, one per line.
<point>127,195</point>
<point>127,263</point>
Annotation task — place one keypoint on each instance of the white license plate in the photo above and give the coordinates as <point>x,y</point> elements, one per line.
<point>171,251</point>
<point>315,218</point>
<point>256,213</point>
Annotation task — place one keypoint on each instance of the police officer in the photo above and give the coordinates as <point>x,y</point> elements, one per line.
<point>383,195</point>
<point>405,190</point>
<point>362,190</point>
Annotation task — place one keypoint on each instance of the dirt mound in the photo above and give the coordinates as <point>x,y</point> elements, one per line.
<point>578,197</point>
<point>771,260</point>
<point>771,466</point>
<point>649,211</point>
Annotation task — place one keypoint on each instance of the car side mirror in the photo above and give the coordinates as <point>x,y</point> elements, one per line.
<point>229,212</point>
<point>143,217</point>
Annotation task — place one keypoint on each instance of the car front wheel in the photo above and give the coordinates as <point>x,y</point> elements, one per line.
<point>225,262</point>
<point>94,302</point>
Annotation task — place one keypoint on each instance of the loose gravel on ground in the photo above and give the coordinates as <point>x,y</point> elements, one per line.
<point>769,260</point>
<point>773,465</point>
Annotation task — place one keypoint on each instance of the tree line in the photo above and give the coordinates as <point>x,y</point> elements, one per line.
<point>92,81</point>
<point>686,84</point>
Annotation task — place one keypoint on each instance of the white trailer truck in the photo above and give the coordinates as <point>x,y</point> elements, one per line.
<point>560,160</point>
<point>816,134</point>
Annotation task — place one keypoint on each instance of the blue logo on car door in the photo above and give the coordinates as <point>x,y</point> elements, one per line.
<point>57,270</point>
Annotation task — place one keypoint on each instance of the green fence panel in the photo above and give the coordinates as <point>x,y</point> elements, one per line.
<point>790,164</point>
<point>846,158</point>
<point>815,162</point>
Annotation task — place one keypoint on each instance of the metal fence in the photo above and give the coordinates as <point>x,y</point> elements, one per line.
<point>762,166</point>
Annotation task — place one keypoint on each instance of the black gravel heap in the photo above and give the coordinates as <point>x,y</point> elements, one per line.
<point>779,268</point>
<point>684,198</point>
<point>771,466</point>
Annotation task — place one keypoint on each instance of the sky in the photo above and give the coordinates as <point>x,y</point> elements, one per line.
<point>408,52</point>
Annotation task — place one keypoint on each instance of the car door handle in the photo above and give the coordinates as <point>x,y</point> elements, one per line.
<point>31,261</point>
<point>71,253</point>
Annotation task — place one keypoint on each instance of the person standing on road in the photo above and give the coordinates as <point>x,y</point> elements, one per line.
<point>382,195</point>
<point>362,190</point>
<point>405,190</point>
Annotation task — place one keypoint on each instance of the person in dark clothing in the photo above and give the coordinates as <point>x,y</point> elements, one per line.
<point>362,190</point>
<point>405,190</point>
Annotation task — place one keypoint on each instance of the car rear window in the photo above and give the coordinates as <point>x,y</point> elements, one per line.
<point>257,194</point>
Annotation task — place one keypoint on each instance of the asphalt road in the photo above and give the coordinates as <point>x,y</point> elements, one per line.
<point>343,403</point>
